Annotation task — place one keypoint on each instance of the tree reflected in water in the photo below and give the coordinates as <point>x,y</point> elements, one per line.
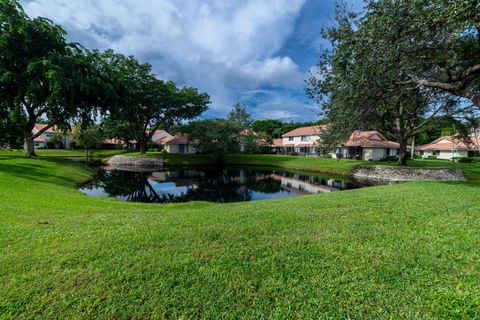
<point>213,185</point>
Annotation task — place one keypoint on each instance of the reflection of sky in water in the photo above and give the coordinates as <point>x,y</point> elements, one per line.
<point>266,196</point>
<point>168,188</point>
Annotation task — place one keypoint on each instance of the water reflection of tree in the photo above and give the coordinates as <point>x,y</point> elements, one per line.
<point>133,186</point>
<point>218,186</point>
<point>232,185</point>
<point>262,182</point>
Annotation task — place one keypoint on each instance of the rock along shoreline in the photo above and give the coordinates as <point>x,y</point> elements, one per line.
<point>140,163</point>
<point>378,173</point>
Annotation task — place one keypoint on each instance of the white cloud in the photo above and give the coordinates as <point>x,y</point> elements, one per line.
<point>280,105</point>
<point>221,47</point>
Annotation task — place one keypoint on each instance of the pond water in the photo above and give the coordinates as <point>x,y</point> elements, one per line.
<point>210,184</point>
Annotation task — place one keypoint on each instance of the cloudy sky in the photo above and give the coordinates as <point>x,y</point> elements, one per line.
<point>253,51</point>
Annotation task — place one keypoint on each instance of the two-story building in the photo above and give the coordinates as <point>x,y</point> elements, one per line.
<point>41,142</point>
<point>361,145</point>
<point>302,141</point>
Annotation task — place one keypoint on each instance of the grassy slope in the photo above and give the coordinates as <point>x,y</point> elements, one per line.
<point>64,154</point>
<point>401,251</point>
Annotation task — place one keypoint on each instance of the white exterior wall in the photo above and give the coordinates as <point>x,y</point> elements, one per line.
<point>310,139</point>
<point>445,154</point>
<point>67,141</point>
<point>375,153</point>
<point>173,148</point>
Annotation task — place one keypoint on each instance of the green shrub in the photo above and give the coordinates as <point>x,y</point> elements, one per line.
<point>432,157</point>
<point>465,160</point>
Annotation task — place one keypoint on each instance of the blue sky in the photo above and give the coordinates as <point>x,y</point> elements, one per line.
<point>252,51</point>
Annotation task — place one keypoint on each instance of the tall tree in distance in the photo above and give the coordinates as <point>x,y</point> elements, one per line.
<point>240,117</point>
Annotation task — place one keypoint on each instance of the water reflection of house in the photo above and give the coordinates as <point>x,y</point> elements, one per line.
<point>304,184</point>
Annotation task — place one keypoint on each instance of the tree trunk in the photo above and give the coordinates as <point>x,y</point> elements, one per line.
<point>142,147</point>
<point>30,147</point>
<point>412,152</point>
<point>402,151</point>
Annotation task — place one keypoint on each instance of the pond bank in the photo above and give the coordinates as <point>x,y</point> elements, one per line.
<point>135,163</point>
<point>378,173</point>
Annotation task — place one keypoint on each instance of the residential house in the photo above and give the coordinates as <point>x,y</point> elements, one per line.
<point>41,142</point>
<point>159,134</point>
<point>367,145</point>
<point>303,141</point>
<point>449,147</point>
<point>178,143</point>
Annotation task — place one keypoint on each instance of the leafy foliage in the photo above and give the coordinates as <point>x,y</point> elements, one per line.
<point>379,72</point>
<point>145,103</point>
<point>240,117</point>
<point>218,137</point>
<point>42,76</point>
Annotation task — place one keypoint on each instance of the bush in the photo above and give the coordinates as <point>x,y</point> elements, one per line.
<point>432,157</point>
<point>465,160</point>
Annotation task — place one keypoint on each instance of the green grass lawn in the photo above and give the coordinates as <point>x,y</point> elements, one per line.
<point>289,162</point>
<point>64,154</point>
<point>400,251</point>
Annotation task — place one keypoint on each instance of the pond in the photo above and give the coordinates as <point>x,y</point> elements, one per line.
<point>210,184</point>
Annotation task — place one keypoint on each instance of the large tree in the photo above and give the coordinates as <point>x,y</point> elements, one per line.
<point>145,103</point>
<point>42,76</point>
<point>365,80</point>
<point>217,137</point>
<point>116,129</point>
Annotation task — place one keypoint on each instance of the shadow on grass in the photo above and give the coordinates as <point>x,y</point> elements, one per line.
<point>39,172</point>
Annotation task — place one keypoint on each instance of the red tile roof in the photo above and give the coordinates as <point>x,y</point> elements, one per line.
<point>307,131</point>
<point>178,138</point>
<point>277,143</point>
<point>450,143</point>
<point>39,139</point>
<point>40,126</point>
<point>373,139</point>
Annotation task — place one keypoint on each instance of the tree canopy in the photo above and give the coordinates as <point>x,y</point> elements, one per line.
<point>239,116</point>
<point>144,103</point>
<point>42,76</point>
<point>382,66</point>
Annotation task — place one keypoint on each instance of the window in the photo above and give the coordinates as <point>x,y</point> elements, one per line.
<point>436,152</point>
<point>181,148</point>
<point>290,138</point>
<point>304,138</point>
